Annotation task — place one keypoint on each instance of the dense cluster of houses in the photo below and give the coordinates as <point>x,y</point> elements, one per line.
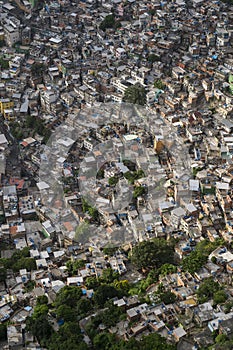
<point>57,66</point>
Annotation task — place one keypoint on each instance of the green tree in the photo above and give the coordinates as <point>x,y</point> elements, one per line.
<point>225,346</point>
<point>104,341</point>
<point>41,300</point>
<point>154,253</point>
<point>228,306</point>
<point>159,84</point>
<point>214,259</point>
<point>104,293</point>
<point>3,332</point>
<point>167,297</point>
<point>194,261</point>
<point>110,250</point>
<point>197,258</point>
<point>68,295</point>
<point>152,277</point>
<point>3,274</point>
<point>82,346</point>
<point>38,69</point>
<point>40,310</point>
<point>131,344</point>
<point>156,342</point>
<point>131,165</point>
<point>30,121</point>
<point>111,316</point>
<point>112,181</point>
<point>92,283</point>
<point>5,263</point>
<point>83,307</point>
<point>167,269</point>
<point>108,341</point>
<point>219,297</point>
<point>221,338</point>
<point>68,337</point>
<point>108,276</point>
<point>19,260</point>
<point>135,94</point>
<point>73,266</point>
<point>69,344</point>
<point>83,231</point>
<point>153,58</point>
<point>139,191</point>
<point>130,177</point>
<point>29,286</point>
<point>139,174</point>
<point>24,253</point>
<point>228,1</point>
<point>40,328</point>
<point>123,286</point>
<point>134,175</point>
<point>93,212</point>
<point>24,263</point>
<point>66,313</point>
<point>4,63</point>
<point>109,22</point>
<point>207,289</point>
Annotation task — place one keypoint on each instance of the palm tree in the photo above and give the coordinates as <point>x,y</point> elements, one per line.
<point>135,94</point>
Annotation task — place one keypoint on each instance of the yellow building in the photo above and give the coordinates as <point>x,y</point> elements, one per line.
<point>5,105</point>
<point>9,114</point>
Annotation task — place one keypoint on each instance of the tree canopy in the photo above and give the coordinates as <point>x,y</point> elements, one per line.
<point>4,63</point>
<point>153,58</point>
<point>93,212</point>
<point>108,276</point>
<point>165,296</point>
<point>159,84</point>
<point>105,292</point>
<point>40,328</point>
<point>83,231</point>
<point>66,307</point>
<point>3,332</point>
<point>19,260</point>
<point>113,180</point>
<point>220,297</point>
<point>135,94</point>
<point>73,266</point>
<point>70,307</point>
<point>109,22</point>
<point>30,126</point>
<point>139,191</point>
<point>194,261</point>
<point>154,253</point>
<point>38,69</point>
<point>69,295</point>
<point>207,290</point>
<point>132,176</point>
